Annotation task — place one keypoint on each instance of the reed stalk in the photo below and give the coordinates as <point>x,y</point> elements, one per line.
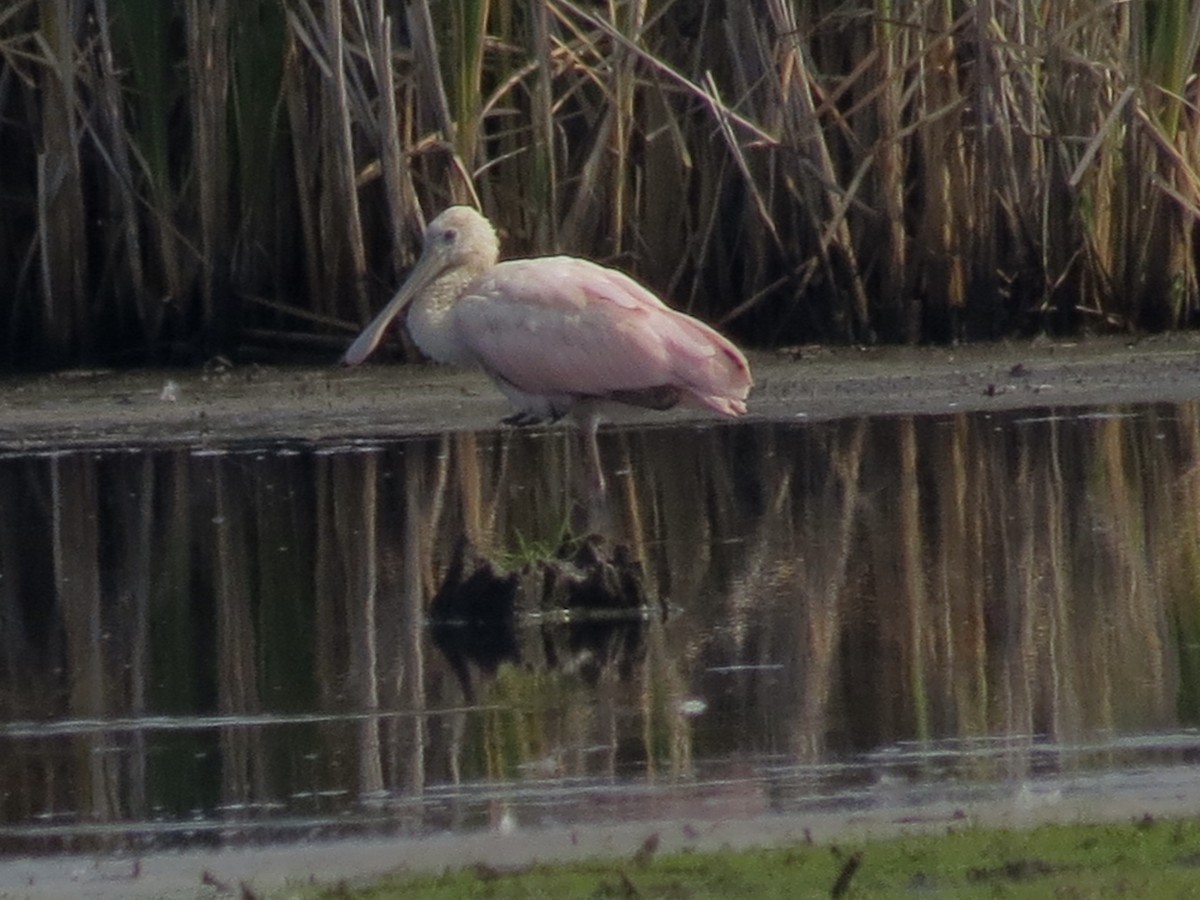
<point>60,209</point>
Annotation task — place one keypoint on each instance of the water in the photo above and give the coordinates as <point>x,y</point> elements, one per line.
<point>230,646</point>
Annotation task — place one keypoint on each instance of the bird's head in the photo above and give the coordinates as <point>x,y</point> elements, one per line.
<point>459,240</point>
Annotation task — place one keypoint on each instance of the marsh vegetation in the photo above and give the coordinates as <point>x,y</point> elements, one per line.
<point>187,178</point>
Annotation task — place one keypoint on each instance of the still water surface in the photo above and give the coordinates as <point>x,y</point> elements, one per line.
<point>231,644</point>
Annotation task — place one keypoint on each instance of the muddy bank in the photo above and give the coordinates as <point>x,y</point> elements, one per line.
<point>87,408</point>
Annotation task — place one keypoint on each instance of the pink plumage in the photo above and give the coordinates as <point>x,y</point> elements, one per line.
<point>556,334</point>
<point>559,325</point>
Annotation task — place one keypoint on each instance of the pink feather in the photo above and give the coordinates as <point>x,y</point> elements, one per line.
<point>563,325</point>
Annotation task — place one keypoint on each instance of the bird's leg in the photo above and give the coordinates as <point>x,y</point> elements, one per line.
<point>589,422</point>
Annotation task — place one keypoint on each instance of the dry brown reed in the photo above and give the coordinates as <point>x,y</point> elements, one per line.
<point>186,178</point>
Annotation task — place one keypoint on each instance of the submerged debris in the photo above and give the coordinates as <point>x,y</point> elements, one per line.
<point>579,610</point>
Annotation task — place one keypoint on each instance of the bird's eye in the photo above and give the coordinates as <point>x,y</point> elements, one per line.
<point>449,236</point>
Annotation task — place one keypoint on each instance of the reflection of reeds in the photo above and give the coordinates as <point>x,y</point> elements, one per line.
<point>75,544</point>
<point>239,692</point>
<point>1179,567</point>
<point>351,586</point>
<point>208,172</point>
<point>877,580</point>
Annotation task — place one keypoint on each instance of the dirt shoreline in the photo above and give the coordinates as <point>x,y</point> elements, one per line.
<point>98,408</point>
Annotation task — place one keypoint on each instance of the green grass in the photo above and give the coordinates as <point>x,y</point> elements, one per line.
<point>561,545</point>
<point>1142,859</point>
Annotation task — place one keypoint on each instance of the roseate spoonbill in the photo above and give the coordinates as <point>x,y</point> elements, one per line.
<point>557,334</point>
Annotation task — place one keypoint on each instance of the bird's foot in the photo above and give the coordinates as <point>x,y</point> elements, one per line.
<point>523,418</point>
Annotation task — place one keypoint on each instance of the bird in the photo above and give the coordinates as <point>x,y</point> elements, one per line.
<point>558,335</point>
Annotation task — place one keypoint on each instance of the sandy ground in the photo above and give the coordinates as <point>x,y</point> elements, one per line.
<point>81,409</point>
<point>88,408</point>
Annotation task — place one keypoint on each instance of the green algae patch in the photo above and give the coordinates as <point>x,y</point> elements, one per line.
<point>1146,858</point>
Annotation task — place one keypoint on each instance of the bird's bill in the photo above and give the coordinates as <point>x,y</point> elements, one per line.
<point>426,269</point>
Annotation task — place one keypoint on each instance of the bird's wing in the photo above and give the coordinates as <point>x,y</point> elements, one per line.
<point>561,325</point>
